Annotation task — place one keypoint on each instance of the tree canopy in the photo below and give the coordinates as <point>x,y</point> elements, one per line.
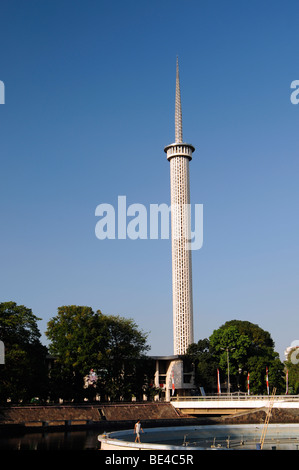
<point>248,348</point>
<point>114,348</point>
<point>23,375</point>
<point>82,340</point>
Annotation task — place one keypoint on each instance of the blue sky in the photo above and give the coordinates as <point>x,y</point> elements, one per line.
<point>89,107</point>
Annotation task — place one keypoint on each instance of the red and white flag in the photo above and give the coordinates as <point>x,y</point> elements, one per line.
<point>172,384</point>
<point>248,390</point>
<point>267,380</point>
<point>218,381</point>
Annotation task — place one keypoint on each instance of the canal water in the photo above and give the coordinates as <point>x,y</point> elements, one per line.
<point>73,440</point>
<point>279,437</point>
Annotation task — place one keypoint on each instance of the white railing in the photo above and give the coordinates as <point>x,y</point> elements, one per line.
<point>235,397</point>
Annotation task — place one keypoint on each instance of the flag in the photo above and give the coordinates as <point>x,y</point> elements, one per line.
<point>267,380</point>
<point>287,382</point>
<point>248,384</point>
<point>172,385</point>
<point>218,381</point>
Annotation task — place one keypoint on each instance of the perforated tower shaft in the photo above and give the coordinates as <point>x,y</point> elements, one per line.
<point>179,154</point>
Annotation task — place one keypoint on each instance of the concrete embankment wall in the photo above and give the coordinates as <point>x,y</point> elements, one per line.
<point>36,413</point>
<point>105,416</point>
<point>278,416</point>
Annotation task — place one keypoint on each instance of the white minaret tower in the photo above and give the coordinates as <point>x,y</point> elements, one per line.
<point>179,154</point>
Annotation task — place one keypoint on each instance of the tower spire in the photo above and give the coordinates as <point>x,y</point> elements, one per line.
<point>178,107</point>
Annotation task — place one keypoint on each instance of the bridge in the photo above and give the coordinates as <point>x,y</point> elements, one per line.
<point>230,404</point>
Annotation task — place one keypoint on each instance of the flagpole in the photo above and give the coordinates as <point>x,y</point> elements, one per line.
<point>267,380</point>
<point>218,382</point>
<point>172,384</point>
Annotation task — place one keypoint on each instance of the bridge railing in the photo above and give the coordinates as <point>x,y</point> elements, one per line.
<point>235,397</point>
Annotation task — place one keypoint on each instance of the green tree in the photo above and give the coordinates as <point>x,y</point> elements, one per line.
<point>257,366</point>
<point>230,349</point>
<point>259,338</point>
<point>82,340</point>
<point>74,334</point>
<point>24,374</point>
<point>253,357</point>
<point>250,350</point>
<point>230,340</point>
<point>121,356</point>
<point>205,364</point>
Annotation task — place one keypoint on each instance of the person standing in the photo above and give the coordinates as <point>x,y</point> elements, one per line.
<point>137,429</point>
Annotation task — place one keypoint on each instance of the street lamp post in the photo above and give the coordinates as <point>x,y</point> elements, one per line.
<point>227,357</point>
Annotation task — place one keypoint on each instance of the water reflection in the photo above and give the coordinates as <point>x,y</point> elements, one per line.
<point>74,440</point>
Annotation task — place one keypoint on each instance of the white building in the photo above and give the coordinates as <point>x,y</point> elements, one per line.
<point>173,376</point>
